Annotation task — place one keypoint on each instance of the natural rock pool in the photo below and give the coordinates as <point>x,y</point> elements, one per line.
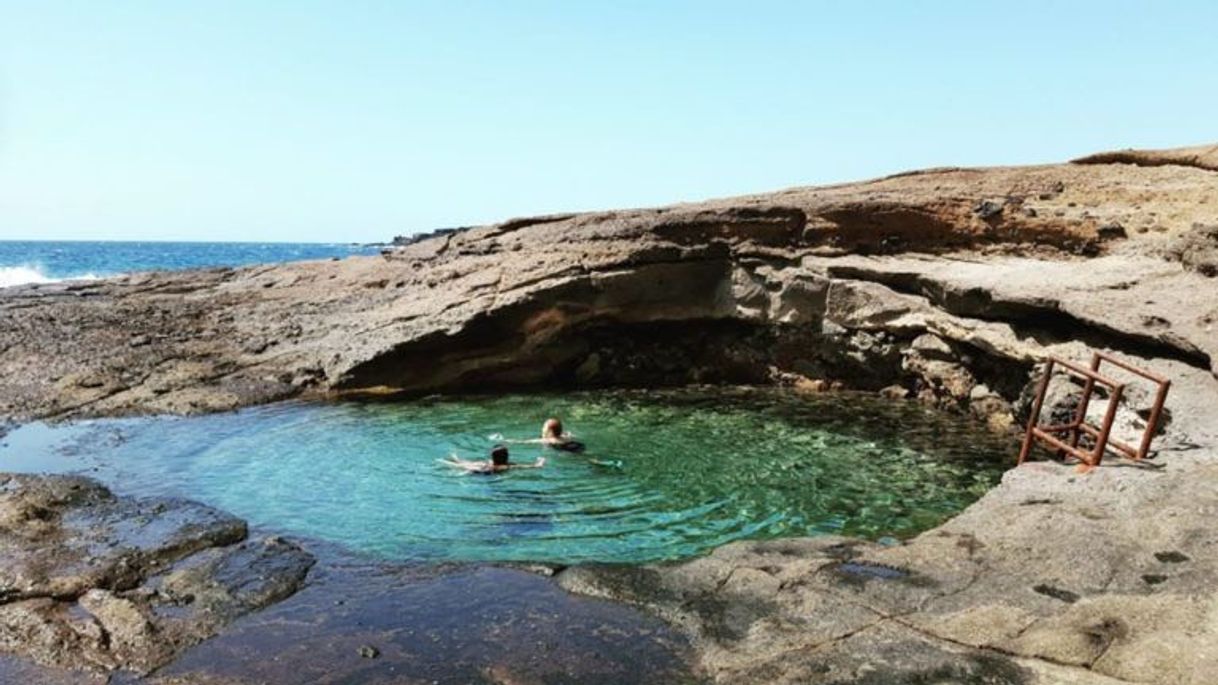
<point>666,474</point>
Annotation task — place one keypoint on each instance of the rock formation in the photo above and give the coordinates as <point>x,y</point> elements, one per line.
<point>833,283</point>
<point>946,285</point>
<point>1201,156</point>
<point>92,580</point>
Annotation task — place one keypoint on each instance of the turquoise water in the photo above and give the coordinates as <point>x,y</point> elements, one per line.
<point>43,261</point>
<point>667,474</point>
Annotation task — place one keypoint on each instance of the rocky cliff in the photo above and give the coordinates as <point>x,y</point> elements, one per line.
<point>941,281</point>
<point>945,285</point>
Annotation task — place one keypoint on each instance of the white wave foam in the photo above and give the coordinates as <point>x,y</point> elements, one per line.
<point>27,273</point>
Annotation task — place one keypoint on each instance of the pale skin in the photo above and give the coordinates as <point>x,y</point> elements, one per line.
<point>486,465</point>
<point>551,434</point>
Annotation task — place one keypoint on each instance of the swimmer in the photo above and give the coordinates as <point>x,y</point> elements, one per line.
<point>498,463</point>
<point>552,435</point>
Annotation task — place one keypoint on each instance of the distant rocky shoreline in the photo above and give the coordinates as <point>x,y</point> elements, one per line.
<point>407,240</point>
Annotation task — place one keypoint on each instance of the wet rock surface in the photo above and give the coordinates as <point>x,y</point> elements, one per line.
<point>360,621</point>
<point>91,580</point>
<point>368,623</point>
<point>946,286</point>
<point>190,574</point>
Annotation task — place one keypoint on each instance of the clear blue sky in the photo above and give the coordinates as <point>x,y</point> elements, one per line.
<point>324,121</point>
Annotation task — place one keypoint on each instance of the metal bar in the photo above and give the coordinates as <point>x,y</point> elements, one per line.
<point>1101,441</point>
<point>1060,428</point>
<point>1076,452</point>
<point>1036,407</point>
<point>1078,425</point>
<point>1152,423</point>
<point>1131,368</point>
<point>1086,372</point>
<point>1080,415</point>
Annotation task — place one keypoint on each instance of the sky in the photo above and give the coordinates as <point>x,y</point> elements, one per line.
<point>357,120</point>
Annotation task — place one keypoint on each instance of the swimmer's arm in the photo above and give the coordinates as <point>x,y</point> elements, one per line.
<point>498,437</point>
<point>541,461</point>
<point>474,467</point>
<point>452,460</point>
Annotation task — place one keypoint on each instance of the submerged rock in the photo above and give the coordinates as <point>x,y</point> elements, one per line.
<point>89,579</point>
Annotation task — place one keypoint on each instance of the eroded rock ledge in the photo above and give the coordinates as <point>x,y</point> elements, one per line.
<point>832,284</point>
<point>90,580</point>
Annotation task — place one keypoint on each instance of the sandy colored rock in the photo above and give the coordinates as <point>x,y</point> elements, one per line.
<point>528,301</point>
<point>1200,156</point>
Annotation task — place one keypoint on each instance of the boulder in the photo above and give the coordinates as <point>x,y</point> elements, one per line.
<point>92,580</point>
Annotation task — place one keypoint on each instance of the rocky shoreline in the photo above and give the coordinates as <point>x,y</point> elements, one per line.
<point>947,286</point>
<point>114,589</point>
<point>91,580</point>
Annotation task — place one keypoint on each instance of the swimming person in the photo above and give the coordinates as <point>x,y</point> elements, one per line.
<point>552,435</point>
<point>499,462</point>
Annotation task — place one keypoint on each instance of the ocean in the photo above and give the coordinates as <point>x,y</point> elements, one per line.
<point>39,261</point>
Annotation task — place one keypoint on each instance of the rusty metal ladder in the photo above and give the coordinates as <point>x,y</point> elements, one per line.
<point>1078,426</point>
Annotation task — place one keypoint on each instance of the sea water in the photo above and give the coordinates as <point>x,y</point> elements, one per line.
<point>35,261</point>
<point>665,474</point>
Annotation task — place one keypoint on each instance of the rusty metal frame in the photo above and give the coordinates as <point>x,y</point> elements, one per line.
<point>1156,410</point>
<point>1047,434</point>
<point>1078,426</point>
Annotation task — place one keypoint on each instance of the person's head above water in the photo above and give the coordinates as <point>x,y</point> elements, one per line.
<point>499,455</point>
<point>551,429</point>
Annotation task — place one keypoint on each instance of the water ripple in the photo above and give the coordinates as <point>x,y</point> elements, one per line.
<point>689,470</point>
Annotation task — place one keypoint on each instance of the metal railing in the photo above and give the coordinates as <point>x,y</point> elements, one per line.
<point>1078,426</point>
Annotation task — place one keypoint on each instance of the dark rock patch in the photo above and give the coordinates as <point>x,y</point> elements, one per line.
<point>1171,557</point>
<point>979,669</point>
<point>1106,631</point>
<point>1196,249</point>
<point>1056,593</point>
<point>865,571</point>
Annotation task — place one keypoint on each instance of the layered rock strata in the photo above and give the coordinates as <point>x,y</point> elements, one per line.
<point>835,283</point>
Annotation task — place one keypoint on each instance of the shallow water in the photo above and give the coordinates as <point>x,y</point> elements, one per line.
<point>667,474</point>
